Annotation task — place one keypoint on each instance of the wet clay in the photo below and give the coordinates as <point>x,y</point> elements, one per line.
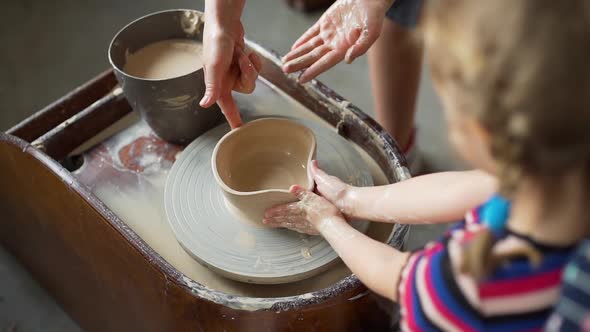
<point>265,154</point>
<point>259,171</point>
<point>256,164</point>
<point>165,59</point>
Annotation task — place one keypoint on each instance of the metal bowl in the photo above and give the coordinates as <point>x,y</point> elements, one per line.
<point>170,106</point>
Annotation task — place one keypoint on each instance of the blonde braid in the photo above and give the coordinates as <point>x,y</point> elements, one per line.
<point>522,70</point>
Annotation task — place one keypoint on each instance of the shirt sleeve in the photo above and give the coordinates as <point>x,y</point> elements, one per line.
<point>435,295</point>
<point>429,297</point>
<point>429,294</point>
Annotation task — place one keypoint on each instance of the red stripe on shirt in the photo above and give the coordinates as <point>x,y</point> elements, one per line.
<point>472,217</point>
<point>436,247</point>
<point>410,318</point>
<point>467,236</point>
<point>438,303</point>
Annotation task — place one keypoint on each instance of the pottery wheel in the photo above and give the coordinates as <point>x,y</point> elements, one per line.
<point>217,236</point>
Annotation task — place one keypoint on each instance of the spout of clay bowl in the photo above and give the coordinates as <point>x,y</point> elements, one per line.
<point>244,157</point>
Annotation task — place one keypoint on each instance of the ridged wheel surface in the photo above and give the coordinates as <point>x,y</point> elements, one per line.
<point>213,233</point>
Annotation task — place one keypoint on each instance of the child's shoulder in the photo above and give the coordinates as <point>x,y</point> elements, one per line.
<point>492,214</point>
<point>471,223</point>
<point>516,293</point>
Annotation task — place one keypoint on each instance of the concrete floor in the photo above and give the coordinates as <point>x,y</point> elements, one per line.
<point>49,47</point>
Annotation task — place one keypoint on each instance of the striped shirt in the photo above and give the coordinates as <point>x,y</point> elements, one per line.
<point>572,312</point>
<point>434,295</point>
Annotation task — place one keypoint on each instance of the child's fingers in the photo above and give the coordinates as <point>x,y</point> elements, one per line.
<point>318,173</point>
<point>283,210</point>
<point>298,191</point>
<point>298,225</point>
<point>315,164</point>
<point>307,199</point>
<point>327,185</point>
<point>273,223</point>
<point>309,230</point>
<point>315,169</point>
<point>285,221</point>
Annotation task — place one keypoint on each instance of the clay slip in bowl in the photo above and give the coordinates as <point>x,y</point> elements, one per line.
<point>257,163</point>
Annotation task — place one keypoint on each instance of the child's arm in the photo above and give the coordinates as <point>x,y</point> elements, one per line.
<point>376,264</point>
<point>433,198</point>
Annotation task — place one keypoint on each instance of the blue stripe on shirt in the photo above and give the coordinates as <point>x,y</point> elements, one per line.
<point>523,268</point>
<point>452,303</point>
<point>416,309</point>
<point>443,291</point>
<point>516,325</point>
<point>573,307</point>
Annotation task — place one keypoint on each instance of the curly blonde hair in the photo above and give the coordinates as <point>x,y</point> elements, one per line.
<point>522,67</point>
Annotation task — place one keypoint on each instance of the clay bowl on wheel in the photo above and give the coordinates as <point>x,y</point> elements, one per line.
<point>257,163</point>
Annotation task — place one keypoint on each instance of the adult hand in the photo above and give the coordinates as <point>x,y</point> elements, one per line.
<point>305,216</point>
<point>227,64</point>
<point>345,31</point>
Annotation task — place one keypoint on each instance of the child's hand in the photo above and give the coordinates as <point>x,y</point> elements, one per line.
<point>304,216</point>
<point>333,189</point>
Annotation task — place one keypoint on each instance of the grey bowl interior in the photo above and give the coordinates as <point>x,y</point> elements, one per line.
<point>152,28</point>
<point>169,105</point>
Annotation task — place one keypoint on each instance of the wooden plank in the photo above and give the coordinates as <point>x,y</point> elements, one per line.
<point>65,107</point>
<point>64,138</point>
